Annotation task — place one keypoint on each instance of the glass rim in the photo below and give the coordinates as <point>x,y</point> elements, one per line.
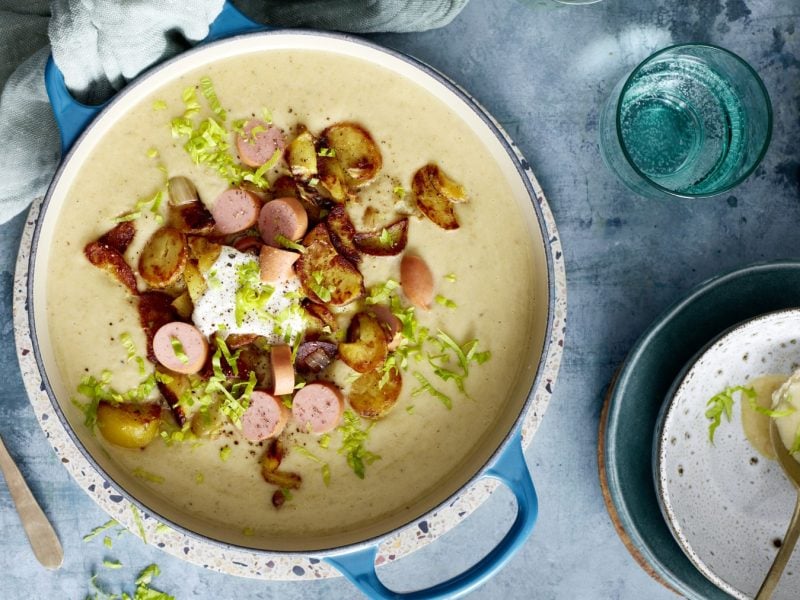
<point>746,173</point>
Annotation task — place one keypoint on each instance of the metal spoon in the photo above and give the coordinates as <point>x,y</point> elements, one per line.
<point>792,470</point>
<point>40,533</point>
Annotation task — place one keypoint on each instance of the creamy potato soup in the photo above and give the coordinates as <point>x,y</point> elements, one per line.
<point>483,272</point>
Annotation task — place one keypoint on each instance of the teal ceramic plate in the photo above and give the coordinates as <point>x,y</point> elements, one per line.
<point>641,388</point>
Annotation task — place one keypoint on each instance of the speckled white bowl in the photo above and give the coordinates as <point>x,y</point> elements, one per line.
<point>727,506</point>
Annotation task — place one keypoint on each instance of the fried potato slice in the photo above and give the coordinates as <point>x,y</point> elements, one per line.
<point>326,276</point>
<point>436,193</point>
<point>110,260</point>
<point>301,156</point>
<point>355,151</point>
<point>371,400</point>
<point>332,179</point>
<point>269,468</point>
<point>172,387</point>
<point>204,251</point>
<point>164,257</point>
<point>342,233</point>
<point>389,241</point>
<point>318,317</point>
<point>208,422</point>
<point>366,347</point>
<point>128,425</point>
<point>183,305</point>
<point>195,282</point>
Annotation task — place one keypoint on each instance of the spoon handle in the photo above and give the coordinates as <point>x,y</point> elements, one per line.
<point>40,532</point>
<point>783,556</point>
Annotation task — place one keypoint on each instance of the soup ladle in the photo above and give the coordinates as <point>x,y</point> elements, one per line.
<point>40,532</point>
<point>791,469</point>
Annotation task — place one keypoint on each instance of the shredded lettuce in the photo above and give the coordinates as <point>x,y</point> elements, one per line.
<point>147,475</point>
<point>353,439</point>
<point>208,91</point>
<point>289,244</point>
<point>425,386</point>
<point>446,302</point>
<point>325,467</point>
<point>252,295</point>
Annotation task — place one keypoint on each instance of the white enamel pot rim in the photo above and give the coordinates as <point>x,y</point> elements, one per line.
<point>249,561</point>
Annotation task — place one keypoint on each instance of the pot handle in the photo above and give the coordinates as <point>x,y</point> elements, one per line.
<point>510,469</point>
<point>72,116</point>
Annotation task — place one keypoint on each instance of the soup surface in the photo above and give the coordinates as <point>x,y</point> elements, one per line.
<point>486,268</point>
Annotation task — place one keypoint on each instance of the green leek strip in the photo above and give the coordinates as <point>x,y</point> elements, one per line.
<point>427,387</point>
<point>722,404</point>
<point>177,348</point>
<point>325,467</point>
<point>100,529</point>
<point>138,520</point>
<point>446,302</point>
<point>353,439</point>
<point>147,475</point>
<point>289,244</point>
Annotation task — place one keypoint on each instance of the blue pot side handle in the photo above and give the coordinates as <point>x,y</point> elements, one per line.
<point>510,469</point>
<point>230,22</point>
<point>72,117</point>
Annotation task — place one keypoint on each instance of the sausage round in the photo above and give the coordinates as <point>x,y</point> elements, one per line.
<point>282,370</point>
<point>192,343</point>
<point>264,418</point>
<point>276,264</point>
<point>284,216</point>
<point>235,210</point>
<point>318,407</point>
<point>417,281</point>
<point>255,149</point>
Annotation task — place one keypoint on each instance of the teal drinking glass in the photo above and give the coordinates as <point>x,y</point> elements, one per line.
<point>691,121</point>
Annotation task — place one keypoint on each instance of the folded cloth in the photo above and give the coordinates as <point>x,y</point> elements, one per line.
<point>99,45</point>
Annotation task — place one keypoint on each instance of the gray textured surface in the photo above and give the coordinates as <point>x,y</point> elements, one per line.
<point>543,70</point>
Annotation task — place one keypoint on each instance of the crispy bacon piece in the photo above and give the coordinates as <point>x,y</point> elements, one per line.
<point>192,218</point>
<point>155,310</point>
<point>105,257</point>
<point>120,237</point>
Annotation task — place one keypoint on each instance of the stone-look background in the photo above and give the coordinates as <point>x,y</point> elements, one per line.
<point>543,70</point>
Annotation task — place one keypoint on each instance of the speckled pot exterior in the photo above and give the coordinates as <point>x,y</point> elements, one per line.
<point>636,399</point>
<point>727,505</point>
<point>289,566</point>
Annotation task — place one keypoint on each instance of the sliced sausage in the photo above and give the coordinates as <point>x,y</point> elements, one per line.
<point>417,281</point>
<point>390,324</point>
<point>276,264</point>
<point>264,418</point>
<point>257,148</point>
<point>282,370</point>
<point>284,216</point>
<point>235,210</point>
<point>180,347</point>
<point>318,407</point>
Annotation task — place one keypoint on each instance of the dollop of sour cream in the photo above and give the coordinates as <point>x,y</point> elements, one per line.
<point>280,318</point>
